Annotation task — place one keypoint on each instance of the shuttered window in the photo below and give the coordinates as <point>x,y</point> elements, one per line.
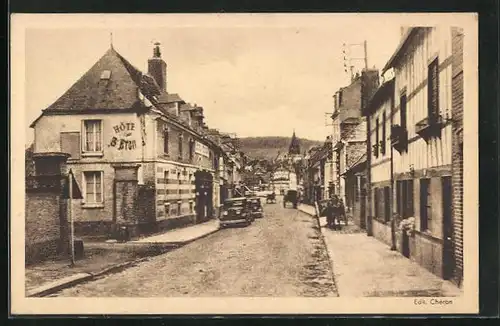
<point>165,140</point>
<point>409,199</point>
<point>180,145</point>
<point>433,90</point>
<point>402,111</point>
<point>387,205</point>
<point>382,144</point>
<point>404,198</point>
<point>377,127</point>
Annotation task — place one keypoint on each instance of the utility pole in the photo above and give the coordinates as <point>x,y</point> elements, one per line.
<point>70,213</point>
<point>365,46</point>
<point>348,60</point>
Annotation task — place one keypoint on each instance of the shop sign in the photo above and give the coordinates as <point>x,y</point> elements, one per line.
<point>123,136</point>
<point>201,149</point>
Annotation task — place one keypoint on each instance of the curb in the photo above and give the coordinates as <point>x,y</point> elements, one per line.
<point>323,240</point>
<point>62,284</point>
<point>79,278</point>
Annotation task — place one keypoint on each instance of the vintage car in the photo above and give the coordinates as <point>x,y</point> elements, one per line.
<point>236,211</point>
<point>291,196</point>
<point>256,207</point>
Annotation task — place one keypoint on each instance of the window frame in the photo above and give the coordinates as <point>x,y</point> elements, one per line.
<point>85,201</point>
<point>425,223</point>
<point>191,146</point>
<point>166,140</point>
<point>433,90</point>
<point>403,110</point>
<point>384,135</point>
<point>94,152</point>
<point>180,145</point>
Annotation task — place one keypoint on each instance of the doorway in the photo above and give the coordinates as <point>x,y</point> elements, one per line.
<point>204,195</point>
<point>448,254</point>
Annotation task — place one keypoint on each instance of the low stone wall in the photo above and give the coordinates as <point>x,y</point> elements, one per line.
<point>43,231</point>
<point>428,252</point>
<point>382,231</point>
<point>175,222</point>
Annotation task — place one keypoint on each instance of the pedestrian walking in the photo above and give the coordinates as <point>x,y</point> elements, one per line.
<point>329,212</point>
<point>339,211</point>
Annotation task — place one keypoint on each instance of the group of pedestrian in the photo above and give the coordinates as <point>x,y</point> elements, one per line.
<point>334,210</point>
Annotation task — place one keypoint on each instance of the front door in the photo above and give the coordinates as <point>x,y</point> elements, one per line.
<point>448,254</point>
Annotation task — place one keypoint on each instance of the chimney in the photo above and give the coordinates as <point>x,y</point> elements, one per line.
<point>158,68</point>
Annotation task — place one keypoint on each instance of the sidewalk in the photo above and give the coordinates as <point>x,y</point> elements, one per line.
<point>183,235</point>
<point>366,267</point>
<point>103,258</point>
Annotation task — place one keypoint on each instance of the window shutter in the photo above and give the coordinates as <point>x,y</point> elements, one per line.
<point>165,140</point>
<point>70,143</point>
<point>384,122</point>
<point>409,199</point>
<point>403,111</point>
<point>433,91</point>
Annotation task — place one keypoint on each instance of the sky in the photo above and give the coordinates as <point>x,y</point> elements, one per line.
<point>254,76</point>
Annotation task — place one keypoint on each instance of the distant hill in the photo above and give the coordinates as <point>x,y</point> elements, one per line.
<point>268,147</point>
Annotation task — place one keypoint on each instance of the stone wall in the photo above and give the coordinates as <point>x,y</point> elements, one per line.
<point>42,226</point>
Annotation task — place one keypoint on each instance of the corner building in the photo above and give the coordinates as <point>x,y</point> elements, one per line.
<point>139,153</point>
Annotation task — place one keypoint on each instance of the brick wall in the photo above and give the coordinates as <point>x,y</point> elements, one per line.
<point>42,225</point>
<point>457,151</point>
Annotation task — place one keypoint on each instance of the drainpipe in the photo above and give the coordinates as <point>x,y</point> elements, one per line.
<point>391,202</point>
<point>369,231</point>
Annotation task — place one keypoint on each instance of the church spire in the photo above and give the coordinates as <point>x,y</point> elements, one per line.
<point>294,148</point>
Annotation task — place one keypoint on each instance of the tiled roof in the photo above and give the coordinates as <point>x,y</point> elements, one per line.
<point>119,91</point>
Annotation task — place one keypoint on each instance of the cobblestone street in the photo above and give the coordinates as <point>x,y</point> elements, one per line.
<point>280,255</point>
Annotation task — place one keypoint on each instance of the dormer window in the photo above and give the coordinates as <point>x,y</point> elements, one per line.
<point>105,74</point>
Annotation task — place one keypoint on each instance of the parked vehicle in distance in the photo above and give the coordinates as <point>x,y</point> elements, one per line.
<point>256,207</point>
<point>236,211</point>
<point>291,196</point>
<point>271,198</point>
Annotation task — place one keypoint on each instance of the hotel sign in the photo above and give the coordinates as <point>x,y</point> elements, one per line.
<point>201,149</point>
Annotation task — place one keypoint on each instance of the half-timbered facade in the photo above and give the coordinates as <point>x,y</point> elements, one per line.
<point>421,134</point>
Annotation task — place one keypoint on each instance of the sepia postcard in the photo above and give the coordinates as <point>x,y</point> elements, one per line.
<point>244,164</point>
